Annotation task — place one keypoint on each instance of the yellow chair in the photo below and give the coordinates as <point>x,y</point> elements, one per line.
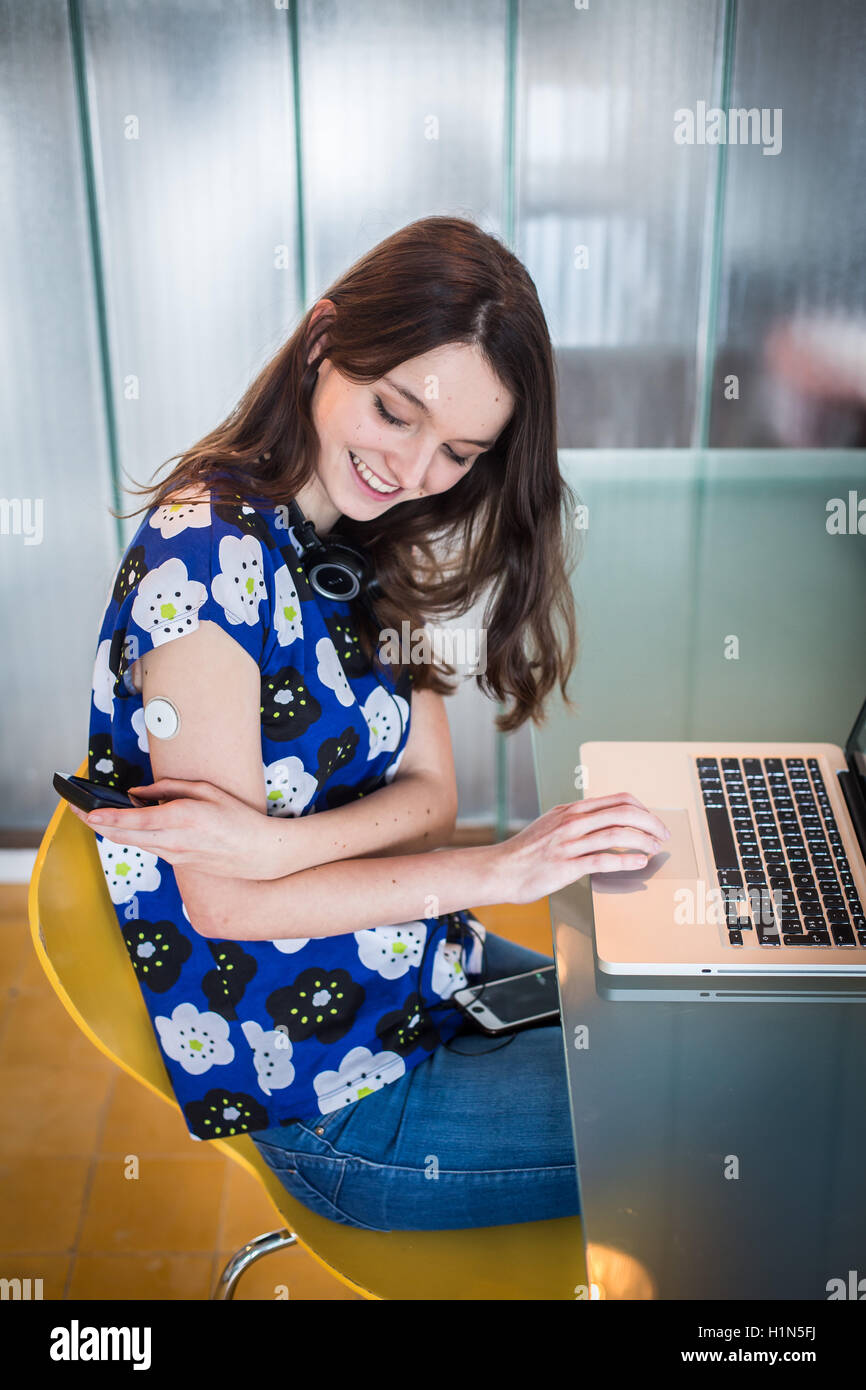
<point>75,933</point>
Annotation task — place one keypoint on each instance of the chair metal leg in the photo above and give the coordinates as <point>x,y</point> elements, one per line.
<point>247,1255</point>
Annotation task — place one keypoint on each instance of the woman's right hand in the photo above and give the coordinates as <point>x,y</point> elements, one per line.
<point>575,839</point>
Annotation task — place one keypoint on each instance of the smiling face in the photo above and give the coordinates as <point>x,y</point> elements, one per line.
<point>416,432</point>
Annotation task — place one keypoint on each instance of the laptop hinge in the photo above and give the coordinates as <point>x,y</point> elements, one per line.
<point>856,806</point>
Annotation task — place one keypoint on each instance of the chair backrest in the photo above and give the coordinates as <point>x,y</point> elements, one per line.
<point>74,929</point>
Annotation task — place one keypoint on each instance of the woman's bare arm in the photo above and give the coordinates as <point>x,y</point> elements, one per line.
<point>416,811</point>
<point>334,899</point>
<point>215,685</point>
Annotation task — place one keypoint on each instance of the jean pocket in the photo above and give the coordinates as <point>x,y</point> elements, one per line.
<point>324,1122</point>
<point>300,1185</point>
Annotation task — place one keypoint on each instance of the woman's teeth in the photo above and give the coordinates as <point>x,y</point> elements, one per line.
<point>370,477</point>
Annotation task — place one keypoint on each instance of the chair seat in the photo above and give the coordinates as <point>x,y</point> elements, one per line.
<point>74,930</point>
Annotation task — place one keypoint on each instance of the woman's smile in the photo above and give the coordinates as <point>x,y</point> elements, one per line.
<point>369,482</point>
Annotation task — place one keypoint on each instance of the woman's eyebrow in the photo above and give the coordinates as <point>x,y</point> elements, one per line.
<point>421,405</point>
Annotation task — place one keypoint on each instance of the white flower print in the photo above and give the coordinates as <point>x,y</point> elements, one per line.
<point>290,944</point>
<point>127,870</point>
<point>386,716</point>
<point>167,602</point>
<point>289,788</point>
<point>198,1041</point>
<point>272,1056</point>
<point>240,585</point>
<point>103,679</point>
<point>331,673</point>
<point>140,730</point>
<point>361,1072</point>
<point>173,517</point>
<point>390,951</point>
<point>391,772</point>
<point>473,946</point>
<point>448,972</point>
<point>287,611</point>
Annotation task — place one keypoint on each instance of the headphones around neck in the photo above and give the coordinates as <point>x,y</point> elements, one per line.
<point>336,569</point>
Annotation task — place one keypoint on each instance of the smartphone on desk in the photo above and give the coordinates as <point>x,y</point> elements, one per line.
<point>90,796</point>
<point>518,1001</point>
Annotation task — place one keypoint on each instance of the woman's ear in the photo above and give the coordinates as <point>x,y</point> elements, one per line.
<point>325,308</point>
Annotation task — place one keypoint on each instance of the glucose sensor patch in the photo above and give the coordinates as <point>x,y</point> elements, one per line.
<point>161,718</point>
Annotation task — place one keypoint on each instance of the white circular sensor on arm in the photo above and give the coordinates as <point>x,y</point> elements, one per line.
<point>161,718</point>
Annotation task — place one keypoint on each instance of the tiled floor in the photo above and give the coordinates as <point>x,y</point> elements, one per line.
<point>71,1212</point>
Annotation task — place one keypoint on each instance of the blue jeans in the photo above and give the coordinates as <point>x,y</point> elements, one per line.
<point>459,1141</point>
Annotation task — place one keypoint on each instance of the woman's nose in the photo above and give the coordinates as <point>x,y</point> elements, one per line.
<point>410,467</point>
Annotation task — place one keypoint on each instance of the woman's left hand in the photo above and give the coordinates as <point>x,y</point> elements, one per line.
<point>198,826</point>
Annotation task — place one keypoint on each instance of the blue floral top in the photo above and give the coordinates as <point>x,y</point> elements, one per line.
<point>260,1033</point>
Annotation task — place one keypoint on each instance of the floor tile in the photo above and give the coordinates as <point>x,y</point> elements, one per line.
<point>52,1270</point>
<point>140,1122</point>
<point>173,1207</point>
<point>40,1202</point>
<point>135,1277</point>
<point>51,1112</point>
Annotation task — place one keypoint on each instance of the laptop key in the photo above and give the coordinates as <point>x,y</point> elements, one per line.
<point>730,878</point>
<point>735,938</point>
<point>722,840</point>
<point>842,935</point>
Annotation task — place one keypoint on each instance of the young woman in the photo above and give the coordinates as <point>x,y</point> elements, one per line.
<point>298,967</point>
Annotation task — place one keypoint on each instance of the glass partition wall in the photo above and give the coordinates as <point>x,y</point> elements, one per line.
<point>185,177</point>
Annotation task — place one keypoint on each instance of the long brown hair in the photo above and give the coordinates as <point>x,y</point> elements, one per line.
<point>505,530</point>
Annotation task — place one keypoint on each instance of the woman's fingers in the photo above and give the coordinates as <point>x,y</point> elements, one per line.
<point>175,786</point>
<point>614,837</point>
<point>619,813</point>
<point>607,863</point>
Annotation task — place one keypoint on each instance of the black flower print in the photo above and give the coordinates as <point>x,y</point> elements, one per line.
<point>120,653</point>
<point>348,645</point>
<point>341,796</point>
<point>287,709</point>
<point>245,519</point>
<point>320,1002</point>
<point>132,569</point>
<point>105,767</point>
<point>157,951</point>
<point>220,1114</point>
<point>336,752</point>
<point>224,987</point>
<point>302,584</point>
<point>407,1028</point>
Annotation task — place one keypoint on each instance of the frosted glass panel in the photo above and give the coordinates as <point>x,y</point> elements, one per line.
<point>611,211</point>
<point>402,116</point>
<point>403,109</point>
<point>792,303</point>
<point>192,112</point>
<point>57,541</point>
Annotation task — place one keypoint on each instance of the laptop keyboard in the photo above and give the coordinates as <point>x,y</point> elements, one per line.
<point>781,865</point>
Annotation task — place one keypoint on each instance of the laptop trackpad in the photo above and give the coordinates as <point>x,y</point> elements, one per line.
<point>676,858</point>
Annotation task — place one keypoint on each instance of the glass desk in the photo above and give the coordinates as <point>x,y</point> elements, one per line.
<point>683,551</point>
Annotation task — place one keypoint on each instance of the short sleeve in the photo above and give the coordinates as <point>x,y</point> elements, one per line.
<point>189,563</point>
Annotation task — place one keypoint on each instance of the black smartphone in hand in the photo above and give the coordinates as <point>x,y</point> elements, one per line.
<point>90,796</point>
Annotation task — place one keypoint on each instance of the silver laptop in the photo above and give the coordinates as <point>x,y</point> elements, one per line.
<point>764,876</point>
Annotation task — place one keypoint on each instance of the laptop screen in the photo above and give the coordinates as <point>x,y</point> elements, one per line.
<point>855,749</point>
